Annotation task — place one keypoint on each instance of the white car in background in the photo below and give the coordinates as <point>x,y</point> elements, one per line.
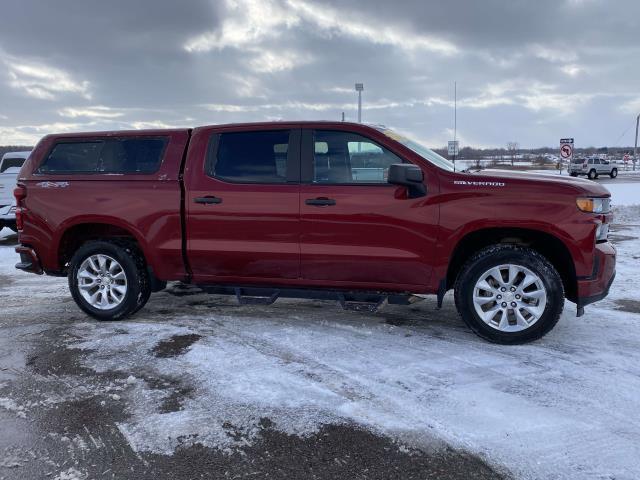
<point>10,166</point>
<point>592,167</point>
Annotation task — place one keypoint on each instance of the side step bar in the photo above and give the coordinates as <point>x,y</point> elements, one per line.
<point>244,299</point>
<point>349,300</point>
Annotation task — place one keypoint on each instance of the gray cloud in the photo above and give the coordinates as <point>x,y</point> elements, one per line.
<point>526,71</point>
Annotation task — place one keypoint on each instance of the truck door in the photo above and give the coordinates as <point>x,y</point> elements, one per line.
<point>358,230</point>
<point>242,203</point>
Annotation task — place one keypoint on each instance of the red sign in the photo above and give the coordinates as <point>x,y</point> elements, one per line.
<point>566,151</point>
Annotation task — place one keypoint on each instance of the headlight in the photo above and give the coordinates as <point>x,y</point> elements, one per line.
<point>593,205</point>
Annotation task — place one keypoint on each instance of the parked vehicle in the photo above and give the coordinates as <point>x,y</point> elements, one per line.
<point>592,167</point>
<point>10,165</point>
<point>309,209</point>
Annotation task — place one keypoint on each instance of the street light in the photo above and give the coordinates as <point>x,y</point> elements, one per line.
<point>635,148</point>
<point>359,89</point>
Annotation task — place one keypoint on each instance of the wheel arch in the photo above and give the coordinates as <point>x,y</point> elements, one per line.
<point>74,235</point>
<point>547,244</point>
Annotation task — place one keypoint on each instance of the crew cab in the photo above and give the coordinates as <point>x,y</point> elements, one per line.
<point>337,210</point>
<point>592,167</point>
<point>10,165</point>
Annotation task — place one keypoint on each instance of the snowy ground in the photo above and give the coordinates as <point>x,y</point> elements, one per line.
<point>410,386</point>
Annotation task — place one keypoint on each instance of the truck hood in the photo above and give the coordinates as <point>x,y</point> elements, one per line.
<point>581,185</point>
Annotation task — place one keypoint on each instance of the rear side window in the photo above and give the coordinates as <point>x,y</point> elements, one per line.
<point>114,155</point>
<point>251,157</point>
<point>11,163</point>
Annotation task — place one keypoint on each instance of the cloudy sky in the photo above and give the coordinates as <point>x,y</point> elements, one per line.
<point>527,71</point>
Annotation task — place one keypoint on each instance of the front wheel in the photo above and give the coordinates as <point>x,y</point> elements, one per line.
<point>614,173</point>
<point>108,280</point>
<point>509,294</point>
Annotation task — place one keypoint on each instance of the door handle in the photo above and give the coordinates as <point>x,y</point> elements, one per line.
<point>320,202</point>
<point>208,200</point>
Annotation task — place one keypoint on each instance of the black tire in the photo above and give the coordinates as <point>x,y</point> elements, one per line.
<point>614,173</point>
<point>133,264</point>
<point>592,174</point>
<point>509,254</point>
<point>573,174</point>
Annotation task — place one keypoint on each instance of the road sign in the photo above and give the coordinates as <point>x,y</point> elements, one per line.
<point>566,148</point>
<point>453,147</point>
<point>626,158</point>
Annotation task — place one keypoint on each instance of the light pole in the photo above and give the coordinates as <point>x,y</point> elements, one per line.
<point>455,123</point>
<point>359,89</point>
<point>635,148</point>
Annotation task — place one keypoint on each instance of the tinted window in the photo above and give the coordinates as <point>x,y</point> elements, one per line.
<point>11,163</point>
<point>343,157</point>
<point>124,155</point>
<point>252,157</point>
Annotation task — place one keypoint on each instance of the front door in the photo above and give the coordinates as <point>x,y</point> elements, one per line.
<point>243,206</point>
<point>358,230</point>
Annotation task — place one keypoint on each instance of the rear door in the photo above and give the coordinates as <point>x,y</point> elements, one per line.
<point>242,204</point>
<point>358,230</point>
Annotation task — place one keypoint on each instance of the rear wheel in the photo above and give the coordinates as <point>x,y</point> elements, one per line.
<point>592,174</point>
<point>108,280</point>
<point>509,294</point>
<point>614,173</point>
<point>573,174</point>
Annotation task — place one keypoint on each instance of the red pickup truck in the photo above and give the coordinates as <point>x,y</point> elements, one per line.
<point>309,209</point>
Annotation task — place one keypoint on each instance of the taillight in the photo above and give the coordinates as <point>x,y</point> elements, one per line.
<point>20,192</point>
<point>19,219</point>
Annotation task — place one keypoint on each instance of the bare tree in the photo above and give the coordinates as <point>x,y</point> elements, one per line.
<point>513,147</point>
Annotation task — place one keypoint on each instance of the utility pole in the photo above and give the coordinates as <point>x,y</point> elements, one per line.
<point>359,89</point>
<point>343,116</point>
<point>635,148</point>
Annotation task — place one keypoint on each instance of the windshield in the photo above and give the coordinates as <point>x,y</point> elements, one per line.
<point>421,150</point>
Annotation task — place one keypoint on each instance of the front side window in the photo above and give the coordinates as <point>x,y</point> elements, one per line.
<point>251,157</point>
<point>348,158</point>
<point>114,155</point>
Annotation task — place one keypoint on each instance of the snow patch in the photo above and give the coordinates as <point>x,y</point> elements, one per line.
<point>624,193</point>
<point>71,474</point>
<point>11,406</point>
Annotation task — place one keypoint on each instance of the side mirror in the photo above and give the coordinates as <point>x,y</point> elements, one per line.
<point>409,176</point>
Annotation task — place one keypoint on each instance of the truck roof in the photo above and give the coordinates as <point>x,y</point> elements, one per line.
<point>164,131</point>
